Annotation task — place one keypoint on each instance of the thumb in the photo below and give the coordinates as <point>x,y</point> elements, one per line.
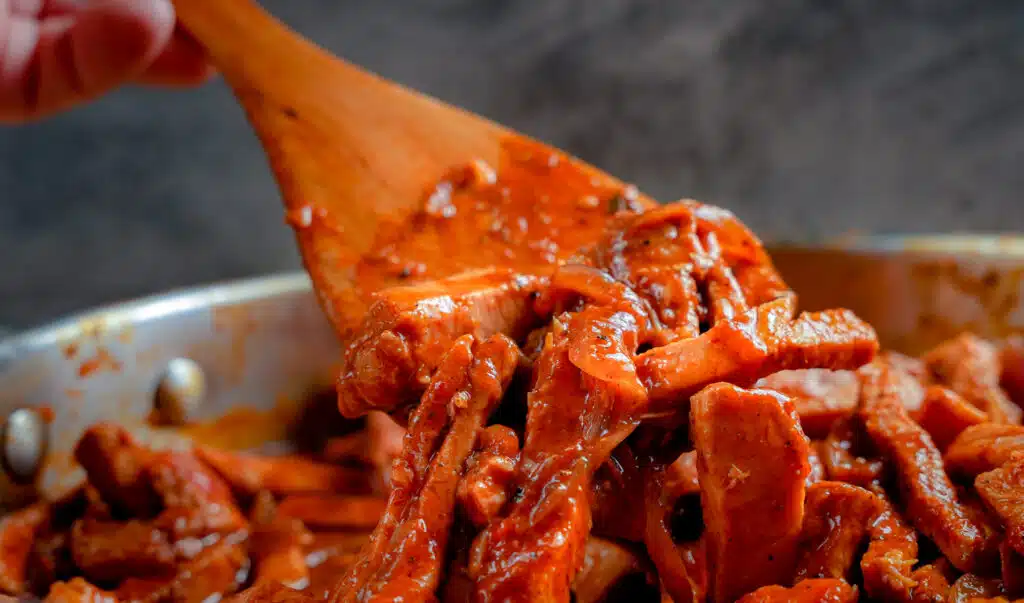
<point>51,65</point>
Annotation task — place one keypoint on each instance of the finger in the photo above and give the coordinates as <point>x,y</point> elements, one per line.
<point>182,63</point>
<point>49,66</point>
<point>43,8</point>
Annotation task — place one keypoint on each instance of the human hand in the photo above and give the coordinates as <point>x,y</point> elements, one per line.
<point>55,54</point>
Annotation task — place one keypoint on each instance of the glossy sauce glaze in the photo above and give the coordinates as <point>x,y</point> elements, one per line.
<point>571,395</point>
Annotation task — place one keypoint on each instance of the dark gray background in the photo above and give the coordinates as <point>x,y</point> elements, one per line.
<point>806,117</point>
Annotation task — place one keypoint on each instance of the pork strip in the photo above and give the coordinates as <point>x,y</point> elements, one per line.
<point>334,512</point>
<point>682,570</point>
<point>969,366</point>
<point>195,500</point>
<point>752,462</point>
<point>409,329</point>
<point>945,415</point>
<point>927,492</point>
<point>984,447</point>
<point>840,455</point>
<point>585,400</point>
<point>407,552</point>
<point>1012,569</point>
<point>215,572</point>
<point>934,582</point>
<point>1002,490</point>
<point>18,532</point>
<point>820,396</point>
<point>836,521</point>
<point>490,473</point>
<point>605,563</point>
<point>823,590</point>
<point>114,463</point>
<point>283,475</point>
<point>887,565</point>
<point>77,590</point>
<point>755,344</point>
<point>108,552</point>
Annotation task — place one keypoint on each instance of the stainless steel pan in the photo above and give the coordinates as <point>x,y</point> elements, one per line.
<point>256,348</point>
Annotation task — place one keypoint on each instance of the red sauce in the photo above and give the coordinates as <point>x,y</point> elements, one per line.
<point>527,213</point>
<point>46,413</point>
<point>103,360</point>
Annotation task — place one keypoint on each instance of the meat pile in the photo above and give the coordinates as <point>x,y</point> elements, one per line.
<point>650,421</point>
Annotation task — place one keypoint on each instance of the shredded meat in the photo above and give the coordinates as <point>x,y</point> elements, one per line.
<point>577,430</point>
<point>751,345</point>
<point>218,569</point>
<point>891,555</point>
<point>970,367</point>
<point>824,590</point>
<point>586,363</point>
<point>17,533</point>
<point>78,590</point>
<point>820,396</point>
<point>836,522</point>
<point>249,474</point>
<point>933,582</point>
<point>407,550</point>
<point>1012,569</point>
<point>334,511</point>
<point>749,468</point>
<point>108,552</point>
<point>605,563</point>
<point>682,569</point>
<point>983,448</point>
<point>839,454</point>
<point>1002,490</point>
<point>928,493</point>
<point>945,415</point>
<point>409,329</point>
<point>115,464</point>
<point>1011,361</point>
<point>484,491</point>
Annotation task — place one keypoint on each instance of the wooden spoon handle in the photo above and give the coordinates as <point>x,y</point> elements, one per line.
<point>250,47</point>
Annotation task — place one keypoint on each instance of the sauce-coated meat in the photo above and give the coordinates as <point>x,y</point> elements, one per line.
<point>970,366</point>
<point>408,330</point>
<point>836,521</point>
<point>571,424</point>
<point>889,560</point>
<point>984,447</point>
<point>534,552</point>
<point>823,590</point>
<point>928,494</point>
<point>1002,490</point>
<point>752,462</point>
<point>945,415</point>
<point>820,396</point>
<point>249,474</point>
<point>407,551</point>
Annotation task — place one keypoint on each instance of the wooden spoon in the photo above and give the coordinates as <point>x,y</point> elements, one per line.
<point>356,155</point>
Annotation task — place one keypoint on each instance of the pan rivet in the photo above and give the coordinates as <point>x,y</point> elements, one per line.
<point>180,391</point>
<point>25,437</point>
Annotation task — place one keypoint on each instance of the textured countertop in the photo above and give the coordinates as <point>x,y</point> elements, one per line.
<point>804,117</point>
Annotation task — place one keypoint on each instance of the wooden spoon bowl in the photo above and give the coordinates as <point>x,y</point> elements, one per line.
<point>374,177</point>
